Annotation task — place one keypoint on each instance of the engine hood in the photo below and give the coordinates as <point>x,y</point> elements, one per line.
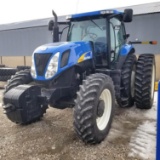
<point>78,52</point>
<point>78,47</point>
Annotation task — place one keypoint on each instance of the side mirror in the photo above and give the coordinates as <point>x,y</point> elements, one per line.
<point>126,36</point>
<point>127,16</point>
<point>50,25</point>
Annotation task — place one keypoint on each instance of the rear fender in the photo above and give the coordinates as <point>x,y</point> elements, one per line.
<point>125,49</point>
<point>124,52</point>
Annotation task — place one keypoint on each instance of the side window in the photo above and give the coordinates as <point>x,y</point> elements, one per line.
<point>117,33</point>
<point>112,37</point>
<point>120,34</point>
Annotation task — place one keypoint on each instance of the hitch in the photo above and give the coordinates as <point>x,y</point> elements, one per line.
<point>24,104</point>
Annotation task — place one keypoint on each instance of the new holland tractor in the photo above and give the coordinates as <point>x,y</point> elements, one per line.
<point>89,72</point>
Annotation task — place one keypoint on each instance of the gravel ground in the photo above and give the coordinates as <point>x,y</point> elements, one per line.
<point>53,138</point>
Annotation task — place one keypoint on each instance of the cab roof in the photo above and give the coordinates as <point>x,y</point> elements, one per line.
<point>93,13</point>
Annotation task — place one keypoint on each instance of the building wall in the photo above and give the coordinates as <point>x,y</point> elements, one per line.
<point>145,28</point>
<point>157,66</point>
<point>22,42</point>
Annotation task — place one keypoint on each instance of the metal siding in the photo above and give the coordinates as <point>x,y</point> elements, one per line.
<point>22,42</point>
<point>145,28</point>
<point>146,8</point>
<point>31,23</point>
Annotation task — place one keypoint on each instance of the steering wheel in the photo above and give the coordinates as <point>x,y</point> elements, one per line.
<point>100,47</point>
<point>92,36</point>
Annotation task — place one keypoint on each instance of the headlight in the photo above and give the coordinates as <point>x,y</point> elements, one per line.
<point>33,70</point>
<point>52,66</point>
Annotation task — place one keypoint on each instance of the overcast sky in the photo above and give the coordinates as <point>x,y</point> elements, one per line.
<point>22,10</point>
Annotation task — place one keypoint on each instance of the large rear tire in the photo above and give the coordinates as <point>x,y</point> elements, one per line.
<point>94,108</point>
<point>127,82</point>
<point>144,81</point>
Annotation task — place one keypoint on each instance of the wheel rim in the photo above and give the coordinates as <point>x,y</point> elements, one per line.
<point>104,119</point>
<point>152,81</point>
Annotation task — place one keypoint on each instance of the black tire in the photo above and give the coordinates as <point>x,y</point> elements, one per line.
<point>127,81</point>
<point>21,77</point>
<point>7,71</point>
<point>19,68</point>
<point>4,78</point>
<point>144,81</point>
<point>86,108</point>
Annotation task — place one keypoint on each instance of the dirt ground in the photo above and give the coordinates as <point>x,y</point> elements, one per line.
<point>53,138</point>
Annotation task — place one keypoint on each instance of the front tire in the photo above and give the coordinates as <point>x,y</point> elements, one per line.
<point>144,81</point>
<point>21,77</point>
<point>94,108</point>
<point>21,115</point>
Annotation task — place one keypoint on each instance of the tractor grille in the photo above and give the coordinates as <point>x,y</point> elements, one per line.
<point>41,61</point>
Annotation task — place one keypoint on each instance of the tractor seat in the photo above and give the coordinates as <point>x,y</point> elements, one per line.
<point>100,45</point>
<point>100,48</point>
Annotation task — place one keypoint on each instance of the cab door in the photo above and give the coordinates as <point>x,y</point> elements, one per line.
<point>117,37</point>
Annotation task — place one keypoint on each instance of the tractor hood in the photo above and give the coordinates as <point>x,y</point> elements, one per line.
<point>58,57</point>
<point>63,46</point>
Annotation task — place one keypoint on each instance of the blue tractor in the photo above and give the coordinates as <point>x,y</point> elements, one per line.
<point>90,71</point>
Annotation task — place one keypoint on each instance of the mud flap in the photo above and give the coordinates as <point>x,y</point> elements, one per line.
<point>24,104</point>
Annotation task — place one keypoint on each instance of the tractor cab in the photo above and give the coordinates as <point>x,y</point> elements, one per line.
<point>103,29</point>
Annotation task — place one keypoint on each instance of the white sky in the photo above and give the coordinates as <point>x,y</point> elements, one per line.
<point>21,10</point>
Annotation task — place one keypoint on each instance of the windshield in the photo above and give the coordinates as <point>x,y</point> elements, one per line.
<point>87,30</point>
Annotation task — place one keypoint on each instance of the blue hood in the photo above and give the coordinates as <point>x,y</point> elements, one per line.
<point>79,47</point>
<point>77,50</point>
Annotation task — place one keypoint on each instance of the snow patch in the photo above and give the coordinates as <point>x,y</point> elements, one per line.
<point>1,104</point>
<point>143,141</point>
<point>115,131</point>
<point>150,114</point>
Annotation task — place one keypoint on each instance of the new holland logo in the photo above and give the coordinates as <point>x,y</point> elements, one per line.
<point>88,55</point>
